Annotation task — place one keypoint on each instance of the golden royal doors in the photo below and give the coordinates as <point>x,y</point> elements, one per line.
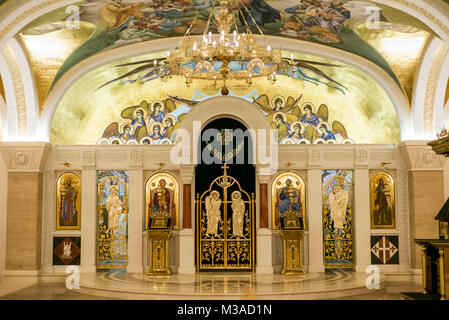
<point>225,226</point>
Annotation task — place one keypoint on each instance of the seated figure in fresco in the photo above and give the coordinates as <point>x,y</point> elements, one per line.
<point>261,12</point>
<point>383,202</point>
<point>309,117</point>
<point>114,207</point>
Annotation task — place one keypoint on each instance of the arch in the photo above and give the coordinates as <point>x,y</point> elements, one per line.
<point>391,88</point>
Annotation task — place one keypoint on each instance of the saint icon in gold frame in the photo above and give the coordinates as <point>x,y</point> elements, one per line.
<point>288,194</point>
<point>162,198</point>
<point>68,202</point>
<point>382,201</point>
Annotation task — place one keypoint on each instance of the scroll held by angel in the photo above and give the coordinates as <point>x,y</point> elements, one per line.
<point>213,204</point>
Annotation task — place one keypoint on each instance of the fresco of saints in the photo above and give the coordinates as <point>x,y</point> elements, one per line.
<point>326,134</point>
<point>157,115</point>
<point>288,201</point>
<point>162,202</point>
<point>114,207</point>
<point>296,135</point>
<point>169,125</point>
<point>68,204</point>
<point>281,125</point>
<point>155,132</point>
<point>309,117</point>
<point>383,202</point>
<point>139,121</point>
<point>117,13</point>
<point>338,203</point>
<point>238,213</point>
<point>125,136</point>
<point>213,203</point>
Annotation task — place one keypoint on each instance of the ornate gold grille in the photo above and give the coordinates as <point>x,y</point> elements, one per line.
<point>225,226</point>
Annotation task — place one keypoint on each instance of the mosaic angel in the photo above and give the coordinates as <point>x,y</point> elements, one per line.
<point>144,121</point>
<point>114,207</point>
<point>338,203</point>
<point>319,128</point>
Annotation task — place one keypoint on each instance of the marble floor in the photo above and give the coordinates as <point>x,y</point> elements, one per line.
<point>340,285</point>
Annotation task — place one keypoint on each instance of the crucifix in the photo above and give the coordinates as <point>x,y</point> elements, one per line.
<point>293,250</point>
<point>159,250</point>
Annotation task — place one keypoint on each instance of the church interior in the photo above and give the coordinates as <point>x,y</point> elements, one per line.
<point>211,149</point>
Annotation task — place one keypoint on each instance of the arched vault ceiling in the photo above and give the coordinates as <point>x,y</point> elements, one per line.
<point>85,112</point>
<point>283,18</point>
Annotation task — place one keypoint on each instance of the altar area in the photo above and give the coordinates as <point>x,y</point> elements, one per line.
<point>202,149</point>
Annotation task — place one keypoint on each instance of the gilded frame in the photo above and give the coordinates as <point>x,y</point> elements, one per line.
<point>75,180</point>
<point>373,185</point>
<point>278,182</point>
<point>172,184</point>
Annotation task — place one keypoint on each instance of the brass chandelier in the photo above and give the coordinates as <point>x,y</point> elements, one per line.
<point>224,54</point>
<point>210,59</point>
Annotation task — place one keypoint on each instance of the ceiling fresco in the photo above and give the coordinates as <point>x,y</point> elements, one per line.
<point>340,24</point>
<point>91,114</point>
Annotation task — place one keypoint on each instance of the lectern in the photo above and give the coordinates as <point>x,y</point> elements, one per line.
<point>292,233</point>
<point>159,231</point>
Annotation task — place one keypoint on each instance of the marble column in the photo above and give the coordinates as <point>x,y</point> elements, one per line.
<point>426,193</point>
<point>315,220</point>
<point>88,218</point>
<point>264,243</point>
<point>187,233</point>
<point>24,203</point>
<point>135,220</point>
<point>361,219</point>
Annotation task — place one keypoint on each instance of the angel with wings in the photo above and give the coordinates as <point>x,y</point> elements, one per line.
<point>338,203</point>
<point>139,126</point>
<point>320,128</point>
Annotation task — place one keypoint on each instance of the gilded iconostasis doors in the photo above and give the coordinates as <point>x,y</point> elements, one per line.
<point>225,201</point>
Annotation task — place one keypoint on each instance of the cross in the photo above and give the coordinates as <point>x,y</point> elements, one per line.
<point>159,250</point>
<point>293,250</point>
<point>225,168</point>
<point>161,165</point>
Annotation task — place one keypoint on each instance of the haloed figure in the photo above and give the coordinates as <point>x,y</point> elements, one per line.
<point>383,202</point>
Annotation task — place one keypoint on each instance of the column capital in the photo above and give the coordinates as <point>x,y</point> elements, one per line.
<point>186,172</point>
<point>25,156</point>
<point>420,156</point>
